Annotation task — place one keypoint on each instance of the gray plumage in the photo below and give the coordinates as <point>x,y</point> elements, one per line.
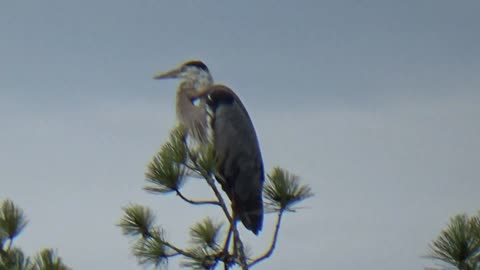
<point>193,118</point>
<point>240,167</point>
<point>240,170</point>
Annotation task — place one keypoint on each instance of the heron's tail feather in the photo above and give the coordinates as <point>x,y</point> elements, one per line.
<point>251,215</point>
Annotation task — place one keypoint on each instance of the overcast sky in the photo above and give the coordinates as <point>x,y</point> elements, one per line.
<point>375,104</point>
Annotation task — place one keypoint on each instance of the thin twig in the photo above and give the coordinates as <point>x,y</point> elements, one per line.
<point>178,251</point>
<point>269,252</point>
<point>192,168</point>
<point>238,242</point>
<point>172,255</point>
<point>211,183</point>
<point>242,258</point>
<point>195,202</point>
<point>226,249</point>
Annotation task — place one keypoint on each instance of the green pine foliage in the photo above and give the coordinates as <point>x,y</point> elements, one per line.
<point>282,190</point>
<point>47,259</point>
<point>12,223</point>
<point>458,244</point>
<point>137,220</point>
<point>151,249</point>
<point>211,243</point>
<point>206,159</point>
<point>201,259</point>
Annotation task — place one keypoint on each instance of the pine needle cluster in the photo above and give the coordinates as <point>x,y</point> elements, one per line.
<point>12,222</point>
<point>212,243</point>
<point>458,244</point>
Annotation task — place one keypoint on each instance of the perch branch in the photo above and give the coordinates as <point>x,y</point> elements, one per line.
<point>269,252</point>
<point>195,202</point>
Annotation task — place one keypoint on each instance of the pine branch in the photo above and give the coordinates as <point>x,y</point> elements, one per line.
<point>238,244</point>
<point>283,190</point>
<point>240,248</point>
<point>137,220</point>
<point>167,172</point>
<point>15,259</point>
<point>196,202</point>
<point>12,223</point>
<point>206,233</point>
<point>46,259</point>
<point>12,220</point>
<point>269,252</point>
<point>193,168</point>
<point>4,256</point>
<point>459,243</point>
<point>211,182</point>
<point>202,259</point>
<point>151,246</point>
<point>179,250</point>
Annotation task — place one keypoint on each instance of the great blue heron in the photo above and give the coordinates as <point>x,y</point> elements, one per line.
<point>240,168</point>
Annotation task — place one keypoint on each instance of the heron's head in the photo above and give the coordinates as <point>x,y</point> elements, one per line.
<point>194,70</point>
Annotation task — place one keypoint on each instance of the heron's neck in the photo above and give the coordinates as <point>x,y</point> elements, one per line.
<point>184,99</point>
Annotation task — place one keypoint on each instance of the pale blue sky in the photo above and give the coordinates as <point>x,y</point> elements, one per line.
<point>373,103</point>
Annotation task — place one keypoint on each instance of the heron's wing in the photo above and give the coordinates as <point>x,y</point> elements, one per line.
<point>238,151</point>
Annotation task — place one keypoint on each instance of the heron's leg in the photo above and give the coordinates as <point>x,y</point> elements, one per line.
<point>226,245</point>
<point>235,236</point>
<point>235,245</point>
<point>227,241</point>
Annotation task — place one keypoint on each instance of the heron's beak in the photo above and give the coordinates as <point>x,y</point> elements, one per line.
<point>174,73</point>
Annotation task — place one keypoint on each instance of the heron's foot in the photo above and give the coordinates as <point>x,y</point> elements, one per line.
<point>226,258</point>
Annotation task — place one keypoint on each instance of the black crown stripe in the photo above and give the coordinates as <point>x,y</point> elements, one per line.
<point>197,64</point>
